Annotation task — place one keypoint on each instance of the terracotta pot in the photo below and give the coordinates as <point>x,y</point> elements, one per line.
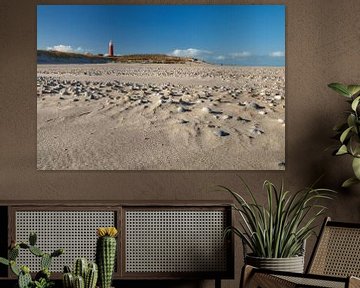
<point>291,264</point>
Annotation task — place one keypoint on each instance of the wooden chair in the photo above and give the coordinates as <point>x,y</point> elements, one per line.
<point>335,262</point>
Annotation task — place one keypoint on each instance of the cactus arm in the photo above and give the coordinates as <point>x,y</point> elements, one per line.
<point>13,253</point>
<point>32,239</point>
<point>36,251</point>
<point>91,276</point>
<point>79,282</point>
<point>14,268</point>
<point>45,261</point>
<point>68,280</point>
<point>80,267</point>
<point>57,253</point>
<point>67,269</point>
<point>24,280</point>
<point>92,266</point>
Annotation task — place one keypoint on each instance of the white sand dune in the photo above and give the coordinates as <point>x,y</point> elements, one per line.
<point>160,117</point>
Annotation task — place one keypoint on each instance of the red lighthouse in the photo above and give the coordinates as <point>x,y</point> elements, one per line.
<point>111,49</point>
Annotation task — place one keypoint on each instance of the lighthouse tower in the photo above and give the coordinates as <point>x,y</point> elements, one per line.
<point>111,49</point>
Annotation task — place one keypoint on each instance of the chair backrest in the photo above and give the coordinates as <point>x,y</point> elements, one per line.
<point>337,251</point>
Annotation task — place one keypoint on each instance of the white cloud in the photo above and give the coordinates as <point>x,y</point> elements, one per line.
<point>220,57</point>
<point>277,54</point>
<point>65,48</point>
<point>190,52</point>
<point>242,54</point>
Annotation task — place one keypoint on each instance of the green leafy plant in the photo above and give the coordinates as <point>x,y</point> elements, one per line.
<point>279,229</point>
<point>42,278</point>
<point>348,132</point>
<point>43,283</point>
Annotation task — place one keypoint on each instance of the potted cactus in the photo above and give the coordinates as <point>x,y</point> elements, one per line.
<point>106,254</point>
<point>84,275</point>
<point>42,278</point>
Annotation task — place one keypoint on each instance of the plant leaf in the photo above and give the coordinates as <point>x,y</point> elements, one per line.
<point>356,167</point>
<point>4,261</point>
<point>355,103</point>
<point>353,89</point>
<point>345,134</point>
<point>351,120</point>
<point>340,88</point>
<point>342,150</point>
<point>349,182</point>
<point>354,145</point>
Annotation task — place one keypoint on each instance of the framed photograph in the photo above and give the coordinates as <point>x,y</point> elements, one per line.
<point>161,87</point>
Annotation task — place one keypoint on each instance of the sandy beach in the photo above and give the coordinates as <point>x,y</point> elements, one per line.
<point>192,116</point>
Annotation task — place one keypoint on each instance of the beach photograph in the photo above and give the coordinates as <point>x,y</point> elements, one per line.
<point>161,87</point>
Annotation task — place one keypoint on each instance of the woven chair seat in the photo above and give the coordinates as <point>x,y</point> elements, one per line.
<point>314,282</point>
<point>335,262</point>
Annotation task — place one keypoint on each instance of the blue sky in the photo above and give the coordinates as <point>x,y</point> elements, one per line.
<point>229,34</point>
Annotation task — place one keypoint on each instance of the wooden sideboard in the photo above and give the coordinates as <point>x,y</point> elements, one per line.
<point>157,240</point>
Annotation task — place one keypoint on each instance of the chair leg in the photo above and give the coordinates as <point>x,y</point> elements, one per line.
<point>217,283</point>
<point>246,273</point>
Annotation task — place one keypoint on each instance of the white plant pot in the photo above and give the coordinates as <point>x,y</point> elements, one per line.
<point>291,264</point>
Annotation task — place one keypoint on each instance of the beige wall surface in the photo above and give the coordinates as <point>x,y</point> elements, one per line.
<point>322,46</point>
